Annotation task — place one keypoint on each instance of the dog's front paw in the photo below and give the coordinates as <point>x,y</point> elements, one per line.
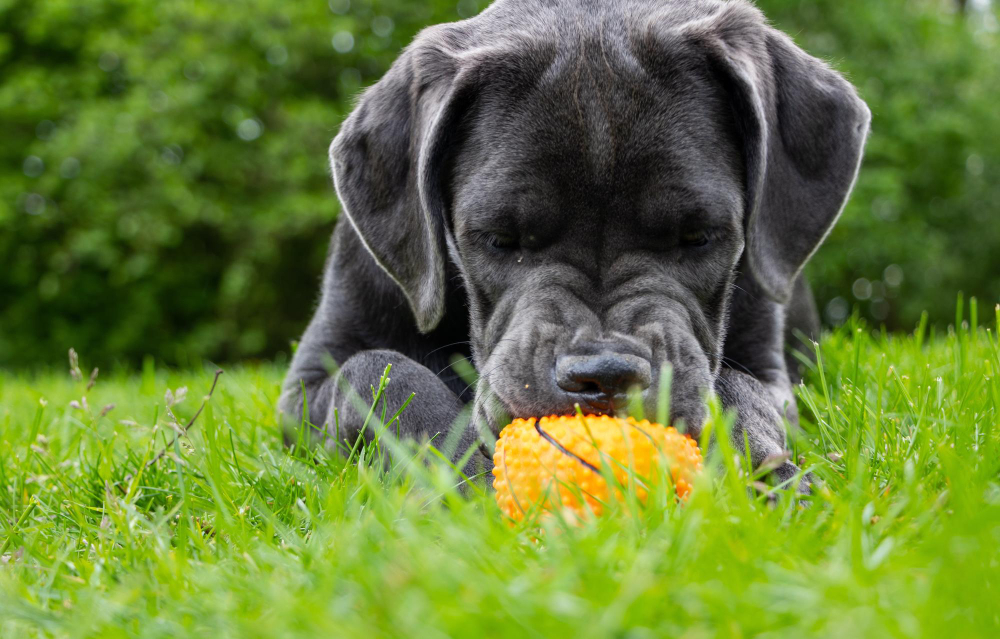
<point>759,429</point>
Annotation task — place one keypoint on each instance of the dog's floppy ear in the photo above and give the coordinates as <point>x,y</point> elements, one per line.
<point>386,163</point>
<point>803,128</point>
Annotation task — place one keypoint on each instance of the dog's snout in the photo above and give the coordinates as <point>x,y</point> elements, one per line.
<point>602,380</point>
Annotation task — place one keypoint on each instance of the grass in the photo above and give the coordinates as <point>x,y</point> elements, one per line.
<point>229,534</point>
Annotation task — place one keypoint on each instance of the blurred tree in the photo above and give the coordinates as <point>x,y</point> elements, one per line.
<point>924,220</point>
<point>164,187</point>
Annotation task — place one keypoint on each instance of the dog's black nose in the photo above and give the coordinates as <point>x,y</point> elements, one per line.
<point>602,381</point>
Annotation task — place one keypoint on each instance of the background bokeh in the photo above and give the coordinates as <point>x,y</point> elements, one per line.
<point>164,188</point>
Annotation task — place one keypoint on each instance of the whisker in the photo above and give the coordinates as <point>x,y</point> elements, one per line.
<point>457,360</point>
<point>740,288</point>
<point>733,362</point>
<point>468,359</point>
<point>483,376</point>
<point>439,348</point>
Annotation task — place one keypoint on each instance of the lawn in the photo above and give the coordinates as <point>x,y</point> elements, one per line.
<point>228,534</point>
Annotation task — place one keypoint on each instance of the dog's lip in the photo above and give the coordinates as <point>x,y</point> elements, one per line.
<point>594,403</point>
<point>599,405</point>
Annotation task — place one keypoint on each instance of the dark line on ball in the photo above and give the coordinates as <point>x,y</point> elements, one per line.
<point>552,440</point>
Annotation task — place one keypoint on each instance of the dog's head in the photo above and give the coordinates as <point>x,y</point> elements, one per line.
<point>598,173</point>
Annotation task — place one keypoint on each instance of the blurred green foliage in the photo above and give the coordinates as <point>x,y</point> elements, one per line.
<point>164,186</point>
<point>924,220</point>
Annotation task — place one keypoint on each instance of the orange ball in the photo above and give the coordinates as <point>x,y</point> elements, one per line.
<point>557,463</point>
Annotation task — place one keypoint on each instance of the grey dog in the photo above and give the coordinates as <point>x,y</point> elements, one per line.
<point>572,194</point>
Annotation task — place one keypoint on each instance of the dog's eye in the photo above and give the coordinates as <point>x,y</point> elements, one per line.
<point>501,241</point>
<point>694,238</point>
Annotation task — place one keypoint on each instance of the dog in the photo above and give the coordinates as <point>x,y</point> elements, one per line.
<point>574,194</point>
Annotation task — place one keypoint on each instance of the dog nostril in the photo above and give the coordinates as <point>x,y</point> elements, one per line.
<point>585,386</point>
<point>605,374</point>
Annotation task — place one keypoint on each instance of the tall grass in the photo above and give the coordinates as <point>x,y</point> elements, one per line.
<point>230,534</point>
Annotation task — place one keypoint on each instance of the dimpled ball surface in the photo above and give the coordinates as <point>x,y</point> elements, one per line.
<point>544,462</point>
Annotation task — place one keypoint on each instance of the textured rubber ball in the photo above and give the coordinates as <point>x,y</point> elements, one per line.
<point>557,463</point>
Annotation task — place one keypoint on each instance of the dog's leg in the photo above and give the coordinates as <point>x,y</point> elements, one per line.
<point>338,405</point>
<point>758,421</point>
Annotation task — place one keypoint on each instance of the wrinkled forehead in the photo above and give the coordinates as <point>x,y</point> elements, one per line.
<point>597,126</point>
